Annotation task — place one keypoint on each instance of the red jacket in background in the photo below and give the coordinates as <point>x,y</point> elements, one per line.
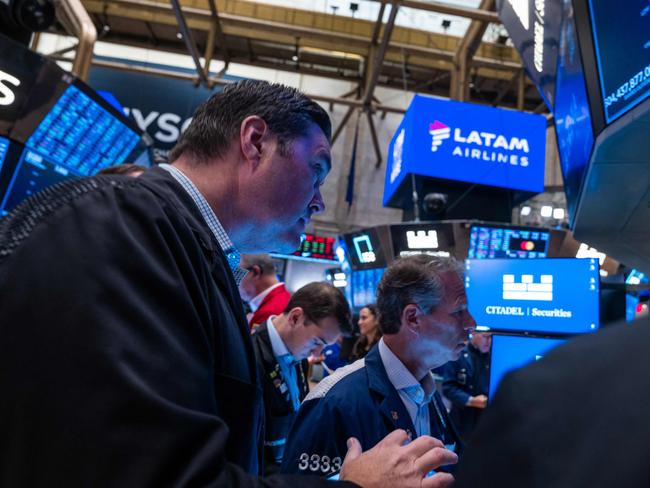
<point>273,304</point>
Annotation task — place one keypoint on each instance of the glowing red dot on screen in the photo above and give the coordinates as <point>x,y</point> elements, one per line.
<point>527,245</point>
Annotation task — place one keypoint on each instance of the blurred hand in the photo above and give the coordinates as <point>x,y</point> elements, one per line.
<point>392,464</point>
<point>312,359</point>
<point>478,401</point>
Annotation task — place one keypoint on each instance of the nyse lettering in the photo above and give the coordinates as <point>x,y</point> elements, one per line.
<point>7,95</point>
<point>164,127</point>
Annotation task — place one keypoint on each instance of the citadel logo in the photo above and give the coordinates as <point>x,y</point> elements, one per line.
<point>472,145</point>
<point>7,95</point>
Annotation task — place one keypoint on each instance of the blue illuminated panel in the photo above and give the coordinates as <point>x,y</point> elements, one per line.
<point>572,120</point>
<point>32,174</point>
<point>4,147</point>
<point>81,135</point>
<point>512,352</point>
<point>621,32</point>
<point>364,286</point>
<point>557,296</point>
<point>503,242</point>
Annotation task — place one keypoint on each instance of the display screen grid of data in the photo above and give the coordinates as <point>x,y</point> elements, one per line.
<point>4,147</point>
<point>81,135</point>
<point>491,243</point>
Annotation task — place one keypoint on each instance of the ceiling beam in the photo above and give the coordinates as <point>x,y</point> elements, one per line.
<point>188,39</point>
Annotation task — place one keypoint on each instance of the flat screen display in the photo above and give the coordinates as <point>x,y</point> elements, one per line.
<point>364,286</point>
<point>4,148</point>
<point>621,34</point>
<point>554,296</point>
<point>573,125</point>
<point>365,250</point>
<point>80,134</point>
<point>316,247</point>
<point>410,239</point>
<point>513,352</point>
<point>490,242</point>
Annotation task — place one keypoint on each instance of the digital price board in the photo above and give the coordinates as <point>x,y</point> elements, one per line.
<point>621,36</point>
<point>317,247</point>
<point>490,242</point>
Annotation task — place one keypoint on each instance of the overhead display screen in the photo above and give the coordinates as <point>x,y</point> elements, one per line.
<point>572,120</point>
<point>409,239</point>
<point>364,286</point>
<point>512,352</point>
<point>555,296</point>
<point>621,33</point>
<point>4,147</point>
<point>461,141</point>
<point>82,135</point>
<point>365,250</point>
<point>316,247</point>
<point>490,242</point>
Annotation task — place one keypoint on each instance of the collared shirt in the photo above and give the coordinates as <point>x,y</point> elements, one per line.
<point>211,220</point>
<point>286,361</point>
<point>408,388</point>
<point>257,301</point>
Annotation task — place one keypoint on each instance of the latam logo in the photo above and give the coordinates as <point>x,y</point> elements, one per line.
<point>527,289</point>
<point>439,132</point>
<point>481,145</point>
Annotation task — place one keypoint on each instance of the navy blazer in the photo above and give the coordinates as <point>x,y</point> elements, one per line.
<point>356,401</point>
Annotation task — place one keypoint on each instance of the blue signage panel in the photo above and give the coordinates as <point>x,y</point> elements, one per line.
<point>534,27</point>
<point>621,32</point>
<point>534,295</point>
<point>467,142</point>
<point>4,147</point>
<point>512,352</point>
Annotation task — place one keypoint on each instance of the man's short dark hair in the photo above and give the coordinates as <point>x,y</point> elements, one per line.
<point>127,169</point>
<point>414,279</point>
<point>287,112</point>
<point>320,300</point>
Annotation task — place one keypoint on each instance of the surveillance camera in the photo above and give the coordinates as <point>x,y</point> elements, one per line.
<point>19,18</point>
<point>434,203</point>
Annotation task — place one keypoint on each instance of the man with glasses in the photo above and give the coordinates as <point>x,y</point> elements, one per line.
<point>315,316</point>
<point>425,323</point>
<point>265,294</point>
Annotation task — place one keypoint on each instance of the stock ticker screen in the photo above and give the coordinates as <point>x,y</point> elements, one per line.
<point>316,247</point>
<point>512,352</point>
<point>621,33</point>
<point>552,296</point>
<point>507,242</point>
<point>81,135</point>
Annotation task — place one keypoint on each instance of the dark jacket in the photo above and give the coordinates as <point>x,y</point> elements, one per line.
<point>468,376</point>
<point>278,406</point>
<point>356,401</point>
<point>125,357</point>
<point>576,418</point>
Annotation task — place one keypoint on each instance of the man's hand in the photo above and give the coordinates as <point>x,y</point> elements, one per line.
<point>478,401</point>
<point>393,464</point>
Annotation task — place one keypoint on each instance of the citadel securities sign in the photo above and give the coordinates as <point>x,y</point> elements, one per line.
<point>467,142</point>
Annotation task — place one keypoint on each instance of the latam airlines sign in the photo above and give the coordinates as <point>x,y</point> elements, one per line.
<point>470,143</point>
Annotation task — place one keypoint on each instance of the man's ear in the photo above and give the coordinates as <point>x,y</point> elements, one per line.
<point>296,317</point>
<point>410,318</point>
<point>252,133</point>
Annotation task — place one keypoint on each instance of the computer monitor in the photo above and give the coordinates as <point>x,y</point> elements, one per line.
<point>422,238</point>
<point>490,242</point>
<point>363,285</point>
<point>551,296</point>
<point>365,250</point>
<point>513,352</point>
<point>4,149</point>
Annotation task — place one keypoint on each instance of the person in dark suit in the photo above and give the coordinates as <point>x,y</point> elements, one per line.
<point>575,418</point>
<point>261,289</point>
<point>315,316</point>
<point>125,358</point>
<point>466,383</point>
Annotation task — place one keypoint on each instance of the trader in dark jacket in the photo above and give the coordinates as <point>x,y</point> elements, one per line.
<point>466,383</point>
<point>125,357</point>
<point>425,323</point>
<point>315,316</point>
<point>575,418</point>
